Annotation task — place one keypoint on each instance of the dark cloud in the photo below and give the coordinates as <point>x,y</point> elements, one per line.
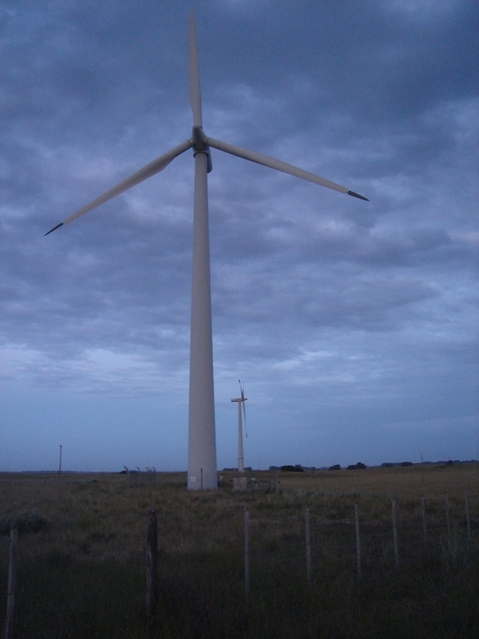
<point>342,314</point>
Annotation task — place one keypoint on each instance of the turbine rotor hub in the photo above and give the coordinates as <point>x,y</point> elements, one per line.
<point>200,145</point>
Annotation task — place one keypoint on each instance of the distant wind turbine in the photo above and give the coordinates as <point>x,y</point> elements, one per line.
<point>202,470</point>
<point>241,407</point>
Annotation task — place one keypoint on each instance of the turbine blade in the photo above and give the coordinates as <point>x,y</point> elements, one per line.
<point>53,229</point>
<point>360,197</point>
<point>243,400</point>
<point>194,75</point>
<point>143,174</point>
<point>267,160</point>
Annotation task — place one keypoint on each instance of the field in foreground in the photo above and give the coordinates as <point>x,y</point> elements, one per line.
<point>82,573</point>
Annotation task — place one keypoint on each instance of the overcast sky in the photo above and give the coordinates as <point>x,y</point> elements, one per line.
<point>353,324</point>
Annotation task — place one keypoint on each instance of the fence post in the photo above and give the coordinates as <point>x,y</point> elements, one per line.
<point>11,584</point>
<point>395,534</point>
<point>309,573</point>
<point>152,585</point>
<point>468,521</point>
<point>448,521</point>
<point>423,508</point>
<point>358,539</point>
<point>246,556</point>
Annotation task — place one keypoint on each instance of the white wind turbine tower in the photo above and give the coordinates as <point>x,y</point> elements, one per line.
<point>241,407</point>
<point>202,471</point>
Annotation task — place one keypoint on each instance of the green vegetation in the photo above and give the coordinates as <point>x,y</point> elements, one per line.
<point>82,540</point>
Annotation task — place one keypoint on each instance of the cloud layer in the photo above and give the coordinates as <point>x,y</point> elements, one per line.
<point>344,318</point>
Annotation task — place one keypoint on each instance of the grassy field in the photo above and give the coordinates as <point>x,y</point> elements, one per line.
<point>82,573</point>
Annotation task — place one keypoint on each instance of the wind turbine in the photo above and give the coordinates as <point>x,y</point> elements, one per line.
<point>241,406</point>
<point>202,471</point>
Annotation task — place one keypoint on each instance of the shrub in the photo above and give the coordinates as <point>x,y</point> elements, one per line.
<point>24,522</point>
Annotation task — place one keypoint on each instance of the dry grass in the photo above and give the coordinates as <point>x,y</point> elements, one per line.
<point>431,480</point>
<point>96,533</point>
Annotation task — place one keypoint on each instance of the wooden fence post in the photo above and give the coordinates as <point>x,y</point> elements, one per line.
<point>395,534</point>
<point>358,540</point>
<point>152,585</point>
<point>468,521</point>
<point>309,573</point>
<point>12,564</point>
<point>246,555</point>
<point>448,521</point>
<point>423,508</point>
